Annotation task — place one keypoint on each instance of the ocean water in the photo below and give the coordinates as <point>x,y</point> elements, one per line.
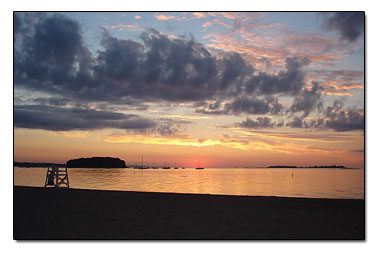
<point>312,183</point>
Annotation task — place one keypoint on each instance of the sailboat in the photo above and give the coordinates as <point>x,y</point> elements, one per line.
<point>199,166</point>
<point>166,167</point>
<point>175,166</point>
<point>142,164</point>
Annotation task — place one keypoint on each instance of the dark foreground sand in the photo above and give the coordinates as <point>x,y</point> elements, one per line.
<point>89,214</point>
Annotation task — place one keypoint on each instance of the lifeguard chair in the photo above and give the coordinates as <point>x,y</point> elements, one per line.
<point>56,178</point>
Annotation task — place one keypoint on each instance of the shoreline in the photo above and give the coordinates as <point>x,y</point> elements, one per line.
<point>187,193</point>
<point>71,214</point>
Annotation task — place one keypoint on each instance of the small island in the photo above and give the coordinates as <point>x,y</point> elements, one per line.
<point>96,162</point>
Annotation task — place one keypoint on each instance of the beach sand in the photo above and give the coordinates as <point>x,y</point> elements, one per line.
<point>92,214</point>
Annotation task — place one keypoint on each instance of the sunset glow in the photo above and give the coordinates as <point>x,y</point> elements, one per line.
<point>228,89</point>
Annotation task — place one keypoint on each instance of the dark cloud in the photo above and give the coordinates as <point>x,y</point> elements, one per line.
<point>16,23</point>
<point>157,69</point>
<point>307,100</point>
<point>55,101</point>
<point>346,120</point>
<point>337,119</point>
<point>343,120</point>
<point>300,122</point>
<point>66,119</point>
<point>260,122</point>
<point>288,82</point>
<point>350,25</point>
<point>296,123</point>
<point>243,105</point>
<point>357,151</point>
<point>51,57</point>
<point>249,106</point>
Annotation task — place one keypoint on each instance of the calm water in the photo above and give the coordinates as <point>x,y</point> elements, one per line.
<point>316,183</point>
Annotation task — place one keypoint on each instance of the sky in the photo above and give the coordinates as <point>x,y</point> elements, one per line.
<point>226,89</point>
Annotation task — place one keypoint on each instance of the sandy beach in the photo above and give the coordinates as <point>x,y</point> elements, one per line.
<point>92,214</point>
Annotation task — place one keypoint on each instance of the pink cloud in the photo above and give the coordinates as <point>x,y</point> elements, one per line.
<point>207,24</point>
<point>164,17</point>
<point>199,15</point>
<point>121,27</point>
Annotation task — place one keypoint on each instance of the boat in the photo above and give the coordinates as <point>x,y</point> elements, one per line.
<point>142,164</point>
<point>166,167</point>
<point>199,166</point>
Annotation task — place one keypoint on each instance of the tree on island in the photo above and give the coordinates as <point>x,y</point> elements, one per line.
<point>96,162</point>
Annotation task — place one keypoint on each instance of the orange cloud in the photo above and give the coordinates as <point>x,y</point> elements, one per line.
<point>321,137</point>
<point>164,17</point>
<point>338,82</point>
<point>251,141</point>
<point>188,117</point>
<point>228,15</point>
<point>269,45</point>
<point>159,140</point>
<point>199,15</point>
<point>137,17</point>
<point>121,27</point>
<point>70,134</point>
<point>207,24</point>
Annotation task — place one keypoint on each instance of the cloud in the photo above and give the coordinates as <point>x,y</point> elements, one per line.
<point>121,27</point>
<point>199,15</point>
<point>357,151</point>
<point>339,82</point>
<point>296,123</point>
<point>343,120</point>
<point>267,46</point>
<point>288,82</point>
<point>307,100</point>
<point>261,122</point>
<point>66,119</point>
<point>300,122</point>
<point>157,69</point>
<point>335,118</point>
<point>242,105</point>
<point>187,117</point>
<point>309,137</point>
<point>154,69</point>
<point>164,17</point>
<point>56,44</point>
<point>350,25</point>
<point>207,24</point>
<point>253,106</point>
<point>178,141</point>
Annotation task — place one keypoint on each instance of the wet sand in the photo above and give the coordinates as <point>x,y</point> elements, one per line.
<point>43,214</point>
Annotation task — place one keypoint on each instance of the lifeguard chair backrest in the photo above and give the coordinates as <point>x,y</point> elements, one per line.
<point>51,176</point>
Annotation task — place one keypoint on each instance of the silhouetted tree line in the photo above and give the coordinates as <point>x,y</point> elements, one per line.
<point>36,164</point>
<point>96,162</point>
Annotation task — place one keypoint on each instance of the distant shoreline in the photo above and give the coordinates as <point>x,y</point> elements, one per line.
<point>37,164</point>
<point>323,166</point>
